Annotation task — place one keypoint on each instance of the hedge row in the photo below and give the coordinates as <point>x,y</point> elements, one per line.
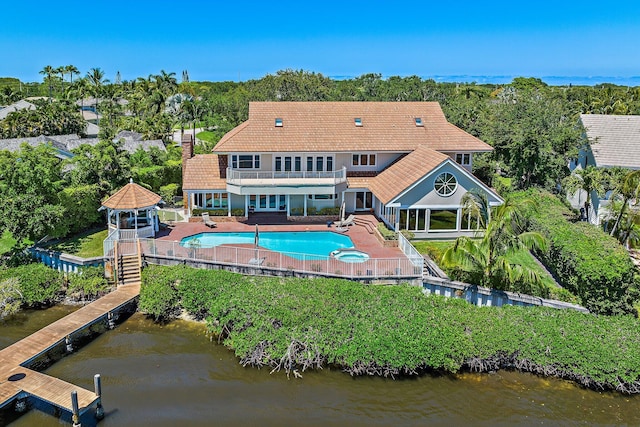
<point>584,259</point>
<point>217,212</point>
<point>297,324</point>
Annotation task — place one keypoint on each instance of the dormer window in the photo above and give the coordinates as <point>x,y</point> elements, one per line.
<point>278,123</point>
<point>419,121</point>
<point>357,121</point>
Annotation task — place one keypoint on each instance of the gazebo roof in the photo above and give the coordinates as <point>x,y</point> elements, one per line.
<point>132,196</point>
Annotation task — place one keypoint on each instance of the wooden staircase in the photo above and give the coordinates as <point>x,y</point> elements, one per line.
<point>129,265</point>
<point>129,270</point>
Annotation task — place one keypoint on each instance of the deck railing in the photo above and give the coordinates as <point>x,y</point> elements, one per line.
<point>373,268</point>
<point>244,177</point>
<point>410,251</point>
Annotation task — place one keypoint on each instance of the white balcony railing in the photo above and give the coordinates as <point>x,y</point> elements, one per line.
<point>244,177</point>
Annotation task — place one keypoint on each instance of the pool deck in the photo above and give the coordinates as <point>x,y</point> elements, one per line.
<point>362,238</point>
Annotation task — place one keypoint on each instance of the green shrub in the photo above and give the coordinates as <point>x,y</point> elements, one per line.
<point>386,233</point>
<point>90,283</point>
<point>39,284</point>
<point>217,212</point>
<point>168,192</point>
<point>584,259</point>
<point>158,293</point>
<point>329,211</point>
<point>408,234</point>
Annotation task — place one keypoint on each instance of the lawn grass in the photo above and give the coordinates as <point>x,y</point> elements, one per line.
<point>435,248</point>
<point>84,245</point>
<point>207,136</point>
<point>165,215</point>
<point>6,242</point>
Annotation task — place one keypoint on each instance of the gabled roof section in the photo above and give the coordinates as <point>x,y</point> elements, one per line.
<point>614,140</point>
<point>16,106</point>
<point>205,172</point>
<point>329,127</point>
<point>132,196</point>
<point>395,179</point>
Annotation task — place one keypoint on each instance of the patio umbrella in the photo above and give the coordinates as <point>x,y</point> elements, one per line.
<point>343,208</point>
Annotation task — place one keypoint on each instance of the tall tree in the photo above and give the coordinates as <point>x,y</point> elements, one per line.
<point>30,180</point>
<point>626,190</point>
<point>591,180</point>
<point>96,79</point>
<point>71,69</point>
<point>48,71</point>
<point>534,134</point>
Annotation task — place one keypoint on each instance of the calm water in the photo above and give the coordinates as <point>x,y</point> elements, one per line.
<point>173,375</point>
<point>302,242</point>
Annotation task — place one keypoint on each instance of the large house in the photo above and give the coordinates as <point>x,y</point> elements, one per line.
<point>611,141</point>
<point>401,161</point>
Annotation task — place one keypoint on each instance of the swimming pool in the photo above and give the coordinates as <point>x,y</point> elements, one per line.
<point>320,243</point>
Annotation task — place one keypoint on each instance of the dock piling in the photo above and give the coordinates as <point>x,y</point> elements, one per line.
<point>97,383</point>
<point>75,409</point>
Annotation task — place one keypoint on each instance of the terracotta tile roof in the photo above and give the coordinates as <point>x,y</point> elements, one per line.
<point>205,172</point>
<point>399,176</point>
<point>132,196</point>
<point>330,127</point>
<point>614,140</point>
<point>359,181</point>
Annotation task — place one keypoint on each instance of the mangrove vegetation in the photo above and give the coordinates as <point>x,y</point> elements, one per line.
<point>291,325</point>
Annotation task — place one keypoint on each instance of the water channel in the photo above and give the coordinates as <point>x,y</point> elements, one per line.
<point>173,375</point>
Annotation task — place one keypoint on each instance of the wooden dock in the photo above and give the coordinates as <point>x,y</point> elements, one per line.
<point>15,378</point>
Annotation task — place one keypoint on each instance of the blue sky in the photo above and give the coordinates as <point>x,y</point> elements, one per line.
<point>234,40</point>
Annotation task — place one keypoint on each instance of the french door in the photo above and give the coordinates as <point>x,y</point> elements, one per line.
<point>268,202</point>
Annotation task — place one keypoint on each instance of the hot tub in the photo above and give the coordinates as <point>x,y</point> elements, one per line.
<point>350,255</point>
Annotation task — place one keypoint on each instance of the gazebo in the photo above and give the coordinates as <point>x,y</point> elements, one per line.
<point>133,208</point>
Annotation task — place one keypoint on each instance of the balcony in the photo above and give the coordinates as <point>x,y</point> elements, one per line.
<point>271,178</point>
<point>266,182</point>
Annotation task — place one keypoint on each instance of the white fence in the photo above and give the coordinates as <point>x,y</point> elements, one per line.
<point>240,177</point>
<point>411,252</point>
<point>373,268</point>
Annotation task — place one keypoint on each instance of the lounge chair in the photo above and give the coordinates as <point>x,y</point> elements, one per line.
<point>207,221</point>
<point>257,261</point>
<point>350,220</point>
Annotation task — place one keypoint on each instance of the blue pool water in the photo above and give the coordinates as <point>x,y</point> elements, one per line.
<point>303,242</point>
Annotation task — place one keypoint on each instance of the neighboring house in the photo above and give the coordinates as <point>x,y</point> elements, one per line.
<point>64,144</point>
<point>131,141</point>
<point>401,161</point>
<point>59,142</point>
<point>16,106</point>
<point>612,141</point>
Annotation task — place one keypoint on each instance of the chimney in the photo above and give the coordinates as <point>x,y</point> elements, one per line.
<point>187,147</point>
<point>187,153</point>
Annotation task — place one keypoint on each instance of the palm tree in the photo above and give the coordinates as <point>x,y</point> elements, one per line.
<point>61,70</point>
<point>626,191</point>
<point>96,79</point>
<point>591,179</point>
<point>486,260</point>
<point>71,69</point>
<point>48,71</point>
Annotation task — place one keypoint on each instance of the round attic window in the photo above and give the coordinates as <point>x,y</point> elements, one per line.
<point>445,184</point>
